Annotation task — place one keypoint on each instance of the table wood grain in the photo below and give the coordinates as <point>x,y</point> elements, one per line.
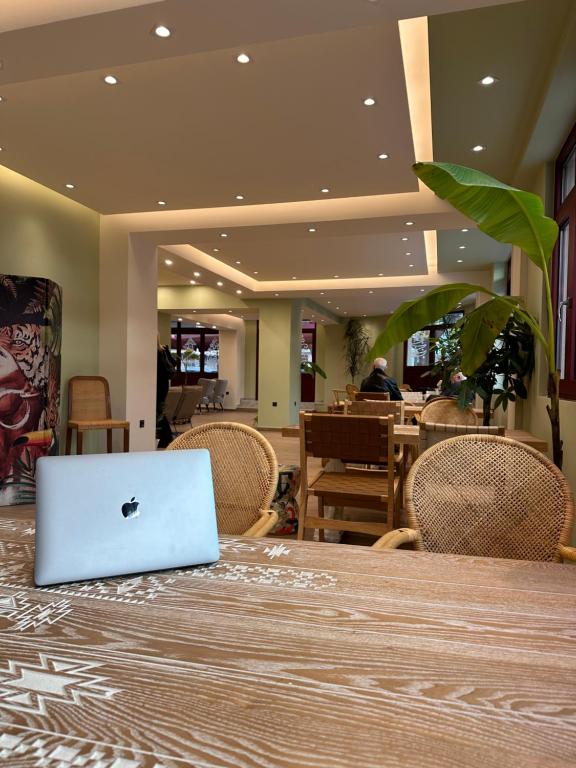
<point>288,654</point>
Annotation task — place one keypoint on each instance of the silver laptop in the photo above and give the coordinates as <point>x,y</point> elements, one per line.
<point>110,514</point>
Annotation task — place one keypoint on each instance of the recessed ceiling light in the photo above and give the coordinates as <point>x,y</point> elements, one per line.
<point>69,185</point>
<point>161,202</point>
<point>363,315</point>
<point>459,261</point>
<point>321,293</point>
<point>345,312</point>
<point>2,98</point>
<point>192,282</point>
<point>238,262</point>
<point>324,190</point>
<point>179,319</point>
<point>1,149</point>
<point>337,307</point>
<point>409,223</point>
<point>238,290</point>
<point>404,239</point>
<point>255,273</point>
<point>229,311</point>
<point>478,148</point>
<point>380,274</point>
<point>162,31</point>
<point>488,80</point>
<point>239,197</point>
<point>461,247</point>
<point>422,290</point>
<point>214,326</point>
<point>219,283</point>
<point>311,229</point>
<point>383,156</point>
<point>215,250</point>
<point>329,302</point>
<point>243,58</point>
<point>168,262</point>
<point>370,291</point>
<point>410,265</point>
<point>223,234</point>
<point>465,230</point>
<point>196,274</point>
<point>293,277</point>
<point>276,294</point>
<point>408,253</point>
<point>110,80</point>
<point>369,102</point>
<point>336,277</point>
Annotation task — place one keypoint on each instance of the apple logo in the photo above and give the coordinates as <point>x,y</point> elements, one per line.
<point>130,508</point>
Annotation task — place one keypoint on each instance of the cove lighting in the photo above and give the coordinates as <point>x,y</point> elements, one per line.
<point>369,102</point>
<point>162,31</point>
<point>168,262</point>
<point>110,80</point>
<point>478,148</point>
<point>243,58</point>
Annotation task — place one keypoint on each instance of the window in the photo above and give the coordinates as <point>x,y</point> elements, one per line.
<point>421,352</point>
<point>564,267</point>
<point>198,350</point>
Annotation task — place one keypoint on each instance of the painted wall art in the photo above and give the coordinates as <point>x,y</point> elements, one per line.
<point>30,344</point>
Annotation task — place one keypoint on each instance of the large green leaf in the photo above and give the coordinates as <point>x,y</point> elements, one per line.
<point>480,330</point>
<point>507,214</point>
<point>411,316</point>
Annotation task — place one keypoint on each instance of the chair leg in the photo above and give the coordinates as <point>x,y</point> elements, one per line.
<point>321,514</point>
<point>302,513</point>
<point>79,437</point>
<point>126,439</point>
<point>109,440</point>
<point>68,441</point>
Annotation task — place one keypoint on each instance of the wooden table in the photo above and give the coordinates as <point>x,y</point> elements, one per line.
<point>288,654</point>
<point>409,434</point>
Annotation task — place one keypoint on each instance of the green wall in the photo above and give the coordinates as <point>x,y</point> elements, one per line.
<point>44,234</point>
<point>250,345</point>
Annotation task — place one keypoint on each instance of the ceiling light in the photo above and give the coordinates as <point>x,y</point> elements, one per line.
<point>238,291</point>
<point>215,250</point>
<point>478,148</point>
<point>459,261</point>
<point>238,262</point>
<point>369,102</point>
<point>312,229</point>
<point>329,302</point>
<point>1,149</point>
<point>255,273</point>
<point>464,230</point>
<point>370,291</point>
<point>196,274</point>
<point>168,262</point>
<point>219,283</point>
<point>404,239</point>
<point>324,190</point>
<point>363,315</point>
<point>69,185</point>
<point>488,80</point>
<point>110,80</point>
<point>223,234</point>
<point>408,253</point>
<point>192,282</point>
<point>214,326</point>
<point>383,156</point>
<point>239,197</point>
<point>276,294</point>
<point>293,277</point>
<point>179,319</point>
<point>2,98</point>
<point>409,223</point>
<point>243,58</point>
<point>321,293</point>
<point>162,31</point>
<point>422,290</point>
<point>461,247</point>
<point>336,277</point>
<point>229,311</point>
<point>337,307</point>
<point>161,202</point>
<point>410,265</point>
<point>345,312</point>
<point>380,274</point>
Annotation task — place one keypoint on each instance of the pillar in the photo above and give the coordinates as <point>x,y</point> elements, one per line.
<point>231,364</point>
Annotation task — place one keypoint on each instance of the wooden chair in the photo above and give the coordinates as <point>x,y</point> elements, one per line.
<point>339,396</point>
<point>431,433</point>
<point>89,408</point>
<point>351,391</point>
<point>445,410</point>
<point>372,396</point>
<point>358,439</point>
<point>244,473</point>
<point>487,496</point>
<point>376,408</point>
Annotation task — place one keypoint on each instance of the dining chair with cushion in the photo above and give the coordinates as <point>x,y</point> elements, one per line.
<point>219,393</point>
<point>244,473</point>
<point>208,386</point>
<point>172,404</point>
<point>445,410</point>
<point>487,496</point>
<point>89,409</point>
<point>191,397</point>
<point>348,439</point>
<point>432,433</point>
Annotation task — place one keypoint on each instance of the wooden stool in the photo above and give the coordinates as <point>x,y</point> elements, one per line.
<point>88,409</point>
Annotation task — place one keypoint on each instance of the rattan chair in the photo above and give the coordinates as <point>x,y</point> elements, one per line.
<point>88,409</point>
<point>244,472</point>
<point>445,410</point>
<point>351,391</point>
<point>487,496</point>
<point>354,439</point>
<point>431,433</point>
<point>372,396</point>
<point>339,396</point>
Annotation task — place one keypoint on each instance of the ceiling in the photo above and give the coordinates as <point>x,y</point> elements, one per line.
<point>190,126</point>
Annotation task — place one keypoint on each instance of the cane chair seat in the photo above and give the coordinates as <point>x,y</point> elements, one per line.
<point>487,496</point>
<point>445,410</point>
<point>244,473</point>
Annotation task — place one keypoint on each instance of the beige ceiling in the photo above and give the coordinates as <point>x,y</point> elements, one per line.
<point>16,14</point>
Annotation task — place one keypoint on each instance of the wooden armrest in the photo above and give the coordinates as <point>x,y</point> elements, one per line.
<point>567,553</point>
<point>393,539</point>
<point>267,521</point>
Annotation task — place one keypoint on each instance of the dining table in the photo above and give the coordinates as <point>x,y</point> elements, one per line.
<point>285,654</point>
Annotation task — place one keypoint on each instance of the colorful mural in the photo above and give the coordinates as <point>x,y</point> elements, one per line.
<point>30,342</point>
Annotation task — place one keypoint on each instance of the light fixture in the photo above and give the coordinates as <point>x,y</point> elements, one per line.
<point>179,319</point>
<point>293,277</point>
<point>422,290</point>
<point>168,262</point>
<point>478,148</point>
<point>192,282</point>
<point>324,190</point>
<point>215,250</point>
<point>276,294</point>
<point>1,149</point>
<point>488,80</point>
<point>383,156</point>
<point>312,229</point>
<point>219,283</point>
<point>369,101</point>
<point>410,265</point>
<point>408,253</point>
<point>363,315</point>
<point>214,327</point>
<point>162,31</point>
<point>223,234</point>
<point>239,197</point>
<point>2,98</point>
<point>336,277</point>
<point>337,307</point>
<point>459,261</point>
<point>196,274</point>
<point>238,262</point>
<point>229,311</point>
<point>321,293</point>
<point>409,223</point>
<point>69,185</point>
<point>161,202</point>
<point>461,247</point>
<point>380,274</point>
<point>329,302</point>
<point>255,273</point>
<point>238,291</point>
<point>110,80</point>
<point>243,58</point>
<point>465,230</point>
<point>404,239</point>
<point>370,291</point>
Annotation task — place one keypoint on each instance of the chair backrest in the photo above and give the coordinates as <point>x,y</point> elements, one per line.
<point>220,387</point>
<point>191,396</point>
<point>351,391</point>
<point>489,496</point>
<point>376,408</point>
<point>244,471</point>
<point>173,402</point>
<point>372,396</point>
<point>208,386</point>
<point>445,410</point>
<point>89,398</point>
<point>431,433</point>
<point>339,396</point>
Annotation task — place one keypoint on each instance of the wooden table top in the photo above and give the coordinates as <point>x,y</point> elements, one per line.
<point>288,654</point>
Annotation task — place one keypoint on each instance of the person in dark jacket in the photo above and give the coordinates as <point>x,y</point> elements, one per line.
<point>165,370</point>
<point>379,381</point>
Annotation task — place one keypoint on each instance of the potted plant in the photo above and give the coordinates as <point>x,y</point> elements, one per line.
<point>508,215</point>
<point>356,347</point>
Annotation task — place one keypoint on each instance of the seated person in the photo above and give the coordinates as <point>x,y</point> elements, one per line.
<point>454,387</point>
<point>379,381</point>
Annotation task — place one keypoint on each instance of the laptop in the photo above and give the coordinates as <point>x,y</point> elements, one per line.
<point>110,514</point>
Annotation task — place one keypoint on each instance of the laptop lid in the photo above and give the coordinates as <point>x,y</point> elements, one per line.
<point>109,514</point>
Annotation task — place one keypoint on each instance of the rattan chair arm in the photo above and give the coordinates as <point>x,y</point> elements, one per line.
<point>267,521</point>
<point>567,553</point>
<point>393,539</point>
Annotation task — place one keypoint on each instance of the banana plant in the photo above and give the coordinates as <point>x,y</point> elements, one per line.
<point>511,216</point>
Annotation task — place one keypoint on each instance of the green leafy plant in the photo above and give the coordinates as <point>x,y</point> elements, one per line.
<point>311,368</point>
<point>508,215</point>
<point>356,347</point>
